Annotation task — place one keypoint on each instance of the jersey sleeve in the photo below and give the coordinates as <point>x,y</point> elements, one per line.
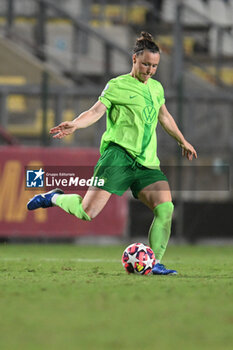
<point>109,94</point>
<point>161,96</point>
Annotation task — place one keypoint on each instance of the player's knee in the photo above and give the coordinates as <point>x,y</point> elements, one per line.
<point>90,211</point>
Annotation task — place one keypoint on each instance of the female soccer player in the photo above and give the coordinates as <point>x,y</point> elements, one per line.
<point>134,104</point>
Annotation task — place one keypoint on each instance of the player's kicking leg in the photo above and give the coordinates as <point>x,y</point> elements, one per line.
<point>85,208</point>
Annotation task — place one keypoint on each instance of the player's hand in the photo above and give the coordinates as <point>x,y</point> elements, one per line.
<point>188,150</point>
<point>63,129</point>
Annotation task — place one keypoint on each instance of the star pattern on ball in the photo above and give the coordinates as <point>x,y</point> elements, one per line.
<point>132,259</point>
<point>149,263</point>
<point>141,246</point>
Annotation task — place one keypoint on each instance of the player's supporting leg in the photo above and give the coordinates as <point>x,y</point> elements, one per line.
<point>83,208</point>
<point>160,229</point>
<point>157,197</point>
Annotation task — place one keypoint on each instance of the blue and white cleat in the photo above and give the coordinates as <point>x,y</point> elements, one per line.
<point>160,269</point>
<point>43,200</point>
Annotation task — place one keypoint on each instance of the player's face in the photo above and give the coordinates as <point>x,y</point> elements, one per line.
<point>145,65</point>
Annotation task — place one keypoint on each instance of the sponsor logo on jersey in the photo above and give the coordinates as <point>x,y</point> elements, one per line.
<point>149,114</point>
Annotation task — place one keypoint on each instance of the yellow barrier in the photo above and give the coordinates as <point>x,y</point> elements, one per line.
<point>15,103</point>
<point>35,129</point>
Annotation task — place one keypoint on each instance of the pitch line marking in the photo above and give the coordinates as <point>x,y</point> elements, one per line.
<point>73,260</point>
<point>62,259</point>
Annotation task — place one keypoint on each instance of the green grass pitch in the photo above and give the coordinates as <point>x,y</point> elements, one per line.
<point>79,297</point>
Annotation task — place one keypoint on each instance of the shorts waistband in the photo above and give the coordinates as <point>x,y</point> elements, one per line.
<point>134,159</point>
<point>122,149</point>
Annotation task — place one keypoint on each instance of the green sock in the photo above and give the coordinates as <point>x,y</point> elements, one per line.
<point>72,204</point>
<point>160,229</point>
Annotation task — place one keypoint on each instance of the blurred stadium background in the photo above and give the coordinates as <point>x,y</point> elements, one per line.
<point>56,57</point>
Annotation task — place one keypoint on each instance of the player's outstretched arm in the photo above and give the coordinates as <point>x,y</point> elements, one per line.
<point>84,120</point>
<point>169,125</point>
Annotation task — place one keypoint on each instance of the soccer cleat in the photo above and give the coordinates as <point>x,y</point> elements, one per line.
<point>43,200</point>
<point>160,269</point>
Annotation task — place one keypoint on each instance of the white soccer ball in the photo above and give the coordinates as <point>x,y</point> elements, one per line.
<point>138,258</point>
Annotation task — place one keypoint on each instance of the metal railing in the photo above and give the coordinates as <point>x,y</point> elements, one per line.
<point>206,103</point>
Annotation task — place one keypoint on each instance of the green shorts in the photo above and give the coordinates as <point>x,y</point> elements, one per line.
<point>120,172</point>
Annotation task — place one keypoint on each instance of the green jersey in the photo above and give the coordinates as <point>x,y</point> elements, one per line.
<point>132,117</point>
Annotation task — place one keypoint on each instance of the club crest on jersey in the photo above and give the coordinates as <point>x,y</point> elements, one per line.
<point>149,114</point>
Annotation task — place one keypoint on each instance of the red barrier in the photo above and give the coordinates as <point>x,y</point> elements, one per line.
<point>17,221</point>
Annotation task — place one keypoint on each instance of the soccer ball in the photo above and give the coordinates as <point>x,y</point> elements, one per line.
<point>138,258</point>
